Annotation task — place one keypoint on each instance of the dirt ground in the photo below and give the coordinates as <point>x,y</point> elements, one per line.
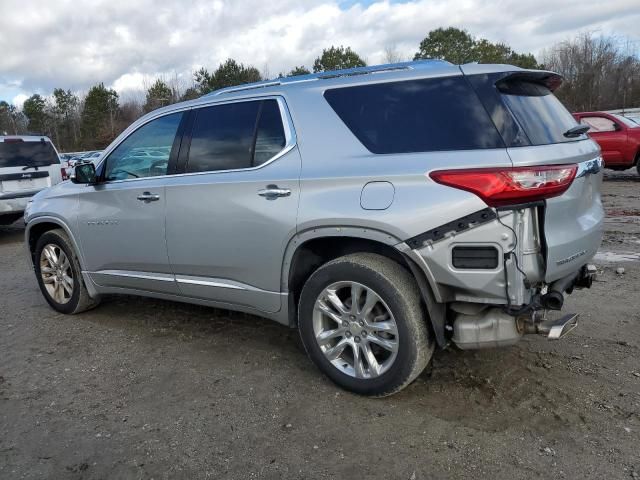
<point>141,388</point>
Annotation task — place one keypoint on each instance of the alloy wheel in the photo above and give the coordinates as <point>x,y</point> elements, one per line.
<point>56,273</point>
<point>355,330</point>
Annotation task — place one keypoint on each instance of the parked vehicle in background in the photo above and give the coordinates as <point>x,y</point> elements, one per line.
<point>28,164</point>
<point>634,119</point>
<point>618,137</point>
<point>428,204</point>
<point>92,155</point>
<point>71,158</point>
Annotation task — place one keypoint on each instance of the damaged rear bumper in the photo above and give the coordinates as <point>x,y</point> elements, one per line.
<point>494,303</point>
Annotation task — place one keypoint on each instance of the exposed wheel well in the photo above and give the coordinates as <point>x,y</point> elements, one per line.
<point>316,252</point>
<point>37,231</point>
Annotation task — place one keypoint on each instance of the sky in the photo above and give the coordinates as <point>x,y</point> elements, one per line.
<point>126,44</point>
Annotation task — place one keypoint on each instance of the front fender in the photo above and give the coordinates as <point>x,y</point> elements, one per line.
<point>59,223</point>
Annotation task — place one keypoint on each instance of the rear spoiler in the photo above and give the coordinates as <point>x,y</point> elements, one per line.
<point>509,73</point>
<point>549,79</point>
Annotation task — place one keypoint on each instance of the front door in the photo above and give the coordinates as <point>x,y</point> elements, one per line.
<point>230,216</point>
<point>122,219</point>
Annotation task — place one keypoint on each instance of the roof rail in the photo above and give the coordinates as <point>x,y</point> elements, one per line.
<point>347,72</point>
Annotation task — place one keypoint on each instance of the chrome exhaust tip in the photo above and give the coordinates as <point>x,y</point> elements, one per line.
<point>556,329</point>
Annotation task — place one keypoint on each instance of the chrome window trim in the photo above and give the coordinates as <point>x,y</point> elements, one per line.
<point>291,139</point>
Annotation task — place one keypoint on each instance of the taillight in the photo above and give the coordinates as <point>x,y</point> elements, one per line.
<point>63,170</point>
<point>510,186</point>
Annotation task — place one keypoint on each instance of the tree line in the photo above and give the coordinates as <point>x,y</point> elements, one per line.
<point>599,73</point>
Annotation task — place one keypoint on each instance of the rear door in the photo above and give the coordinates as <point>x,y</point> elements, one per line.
<point>231,214</point>
<point>27,165</point>
<point>533,122</point>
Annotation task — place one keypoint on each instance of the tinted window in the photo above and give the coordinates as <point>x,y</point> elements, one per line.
<point>146,152</point>
<point>18,153</point>
<point>415,116</point>
<point>538,112</point>
<point>270,137</point>
<point>222,137</point>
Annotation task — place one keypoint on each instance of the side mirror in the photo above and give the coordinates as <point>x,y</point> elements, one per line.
<point>617,127</point>
<point>84,173</point>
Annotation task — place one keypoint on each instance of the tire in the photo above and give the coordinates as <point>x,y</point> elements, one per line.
<point>78,299</point>
<point>365,276</point>
<point>638,163</point>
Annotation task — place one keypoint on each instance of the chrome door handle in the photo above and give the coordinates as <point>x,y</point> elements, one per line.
<point>273,191</point>
<point>147,197</point>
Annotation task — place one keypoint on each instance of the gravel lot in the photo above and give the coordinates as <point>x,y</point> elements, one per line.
<point>142,388</point>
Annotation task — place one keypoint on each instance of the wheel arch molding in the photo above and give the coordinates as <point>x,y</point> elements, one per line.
<point>310,249</point>
<point>40,225</point>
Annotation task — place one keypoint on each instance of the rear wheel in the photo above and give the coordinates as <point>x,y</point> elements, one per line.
<point>638,163</point>
<point>59,275</point>
<point>362,323</point>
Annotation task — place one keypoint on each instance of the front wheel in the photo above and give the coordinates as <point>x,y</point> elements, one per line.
<point>59,274</point>
<point>362,323</point>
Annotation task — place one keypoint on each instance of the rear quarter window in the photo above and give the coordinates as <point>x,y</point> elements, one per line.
<point>415,116</point>
<point>21,153</point>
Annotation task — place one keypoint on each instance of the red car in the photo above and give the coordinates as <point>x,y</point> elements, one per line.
<point>618,137</point>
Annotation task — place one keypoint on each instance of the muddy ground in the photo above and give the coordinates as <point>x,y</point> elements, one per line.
<point>142,388</point>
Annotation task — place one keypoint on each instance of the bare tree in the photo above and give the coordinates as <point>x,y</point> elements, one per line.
<point>598,73</point>
<point>392,55</point>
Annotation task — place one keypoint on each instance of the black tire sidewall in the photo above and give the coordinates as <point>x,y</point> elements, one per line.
<point>407,350</point>
<point>60,241</point>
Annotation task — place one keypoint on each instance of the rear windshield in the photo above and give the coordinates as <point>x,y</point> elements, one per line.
<point>20,154</point>
<point>538,112</point>
<point>415,116</point>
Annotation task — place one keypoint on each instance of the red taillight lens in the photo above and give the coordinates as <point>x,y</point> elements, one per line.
<point>63,170</point>
<point>510,186</point>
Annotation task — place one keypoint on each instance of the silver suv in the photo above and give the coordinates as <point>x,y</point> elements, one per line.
<point>382,211</point>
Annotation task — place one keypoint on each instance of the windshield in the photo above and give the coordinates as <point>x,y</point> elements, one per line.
<point>627,121</point>
<point>22,154</point>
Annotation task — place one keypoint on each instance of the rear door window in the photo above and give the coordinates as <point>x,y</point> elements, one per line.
<point>270,137</point>
<point>19,153</point>
<point>415,116</point>
<point>235,136</point>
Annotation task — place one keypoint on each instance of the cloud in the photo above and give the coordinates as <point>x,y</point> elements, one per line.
<point>75,44</point>
<point>19,99</point>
